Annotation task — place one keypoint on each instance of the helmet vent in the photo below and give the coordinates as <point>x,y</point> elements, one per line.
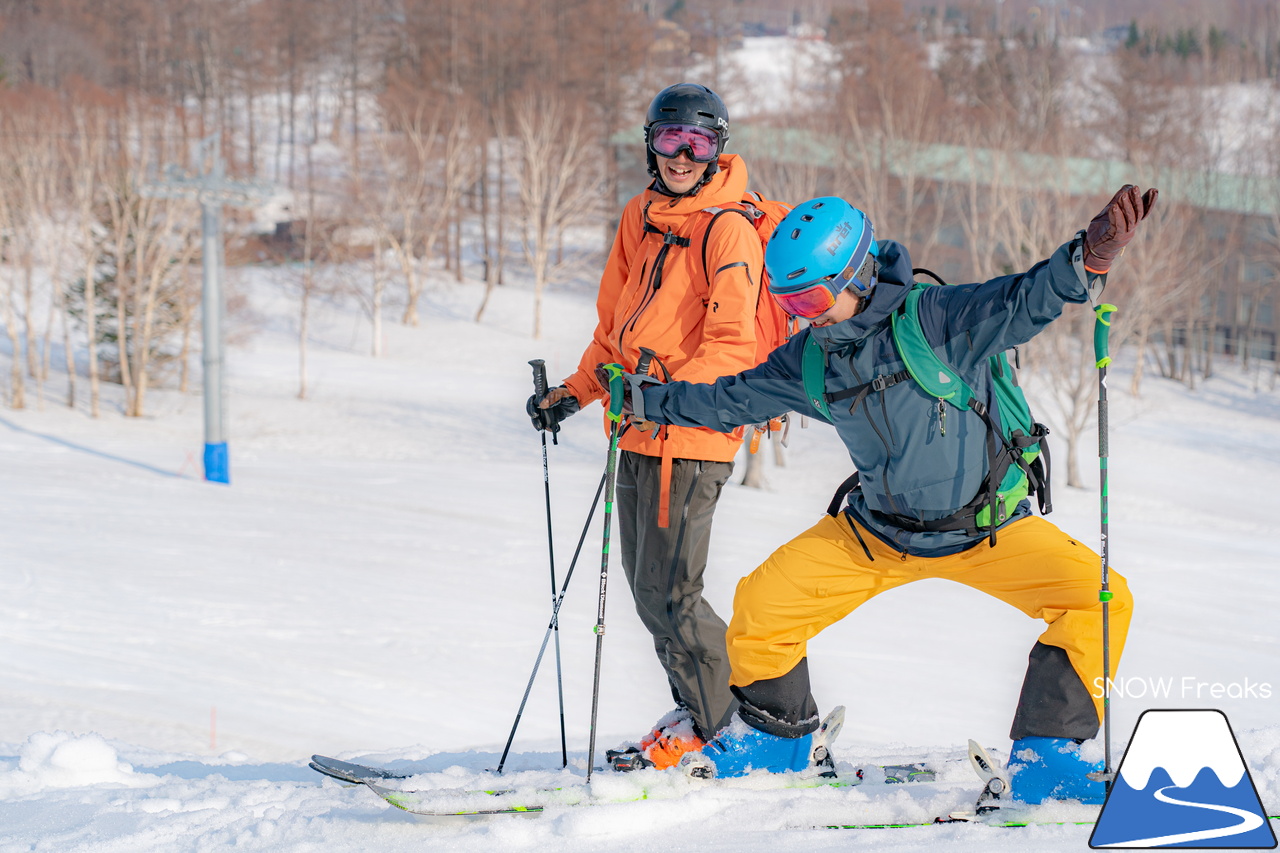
<point>795,233</point>
<point>818,204</point>
<point>794,274</point>
<point>806,218</point>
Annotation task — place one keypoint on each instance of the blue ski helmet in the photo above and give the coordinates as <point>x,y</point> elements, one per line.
<point>822,241</point>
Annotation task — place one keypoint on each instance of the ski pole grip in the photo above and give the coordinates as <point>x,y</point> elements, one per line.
<point>1101,328</point>
<point>646,358</point>
<point>539,378</point>
<point>539,392</point>
<point>617,391</point>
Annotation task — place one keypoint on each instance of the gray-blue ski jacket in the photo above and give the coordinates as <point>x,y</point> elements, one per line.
<point>909,468</point>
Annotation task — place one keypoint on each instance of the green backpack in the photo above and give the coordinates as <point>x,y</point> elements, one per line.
<point>1017,448</point>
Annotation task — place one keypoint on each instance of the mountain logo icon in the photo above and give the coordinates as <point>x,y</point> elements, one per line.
<point>1183,782</point>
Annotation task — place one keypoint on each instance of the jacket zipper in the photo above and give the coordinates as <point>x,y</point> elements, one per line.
<point>651,290</point>
<point>888,487</point>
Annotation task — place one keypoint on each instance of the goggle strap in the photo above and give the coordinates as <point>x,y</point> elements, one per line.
<point>848,274</point>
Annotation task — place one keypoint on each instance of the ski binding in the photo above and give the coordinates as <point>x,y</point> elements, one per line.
<point>996,787</point>
<point>698,766</point>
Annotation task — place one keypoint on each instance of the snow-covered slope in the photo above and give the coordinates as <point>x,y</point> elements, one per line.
<point>374,583</point>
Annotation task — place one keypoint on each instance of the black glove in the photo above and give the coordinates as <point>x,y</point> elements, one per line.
<point>550,417</point>
<point>1113,228</point>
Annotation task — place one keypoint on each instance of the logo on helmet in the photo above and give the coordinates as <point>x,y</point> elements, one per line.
<point>837,238</point>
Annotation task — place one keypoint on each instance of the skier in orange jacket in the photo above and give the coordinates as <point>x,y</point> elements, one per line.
<point>695,309</point>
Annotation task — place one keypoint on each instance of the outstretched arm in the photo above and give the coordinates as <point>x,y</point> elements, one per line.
<point>766,391</point>
<point>986,318</point>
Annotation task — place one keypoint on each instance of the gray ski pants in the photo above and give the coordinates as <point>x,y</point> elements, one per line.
<point>664,568</point>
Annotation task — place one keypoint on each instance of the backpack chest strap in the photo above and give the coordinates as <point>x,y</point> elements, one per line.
<point>886,380</point>
<point>669,238</point>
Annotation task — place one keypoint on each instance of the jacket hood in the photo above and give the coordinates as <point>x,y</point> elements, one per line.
<point>729,184</point>
<point>892,285</point>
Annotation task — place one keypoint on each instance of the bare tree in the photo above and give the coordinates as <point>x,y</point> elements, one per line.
<point>495,250</point>
<point>427,159</point>
<point>32,174</point>
<point>152,240</point>
<point>15,249</point>
<point>8,215</point>
<point>84,152</point>
<point>789,167</point>
<point>1062,378</point>
<point>1160,279</point>
<point>307,282</point>
<point>889,110</point>
<point>559,179</point>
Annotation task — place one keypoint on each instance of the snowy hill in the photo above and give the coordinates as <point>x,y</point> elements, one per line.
<point>374,583</point>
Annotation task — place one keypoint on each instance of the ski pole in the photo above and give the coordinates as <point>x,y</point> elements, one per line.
<point>1102,359</point>
<point>555,619</point>
<point>616,391</point>
<point>539,391</point>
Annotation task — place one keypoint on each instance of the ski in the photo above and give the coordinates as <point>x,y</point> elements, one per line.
<point>652,785</point>
<point>348,771</point>
<point>359,774</point>
<point>995,823</point>
<point>356,774</point>
<point>655,785</point>
<point>992,808</point>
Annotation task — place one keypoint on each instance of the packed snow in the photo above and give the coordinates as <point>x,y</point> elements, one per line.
<point>374,585</point>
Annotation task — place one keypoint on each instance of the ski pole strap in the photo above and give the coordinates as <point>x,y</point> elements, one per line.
<point>617,391</point>
<point>635,384</point>
<point>1101,353</point>
<point>636,381</point>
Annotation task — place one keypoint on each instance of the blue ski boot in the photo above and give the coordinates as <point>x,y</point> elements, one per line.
<point>1051,768</point>
<point>738,749</point>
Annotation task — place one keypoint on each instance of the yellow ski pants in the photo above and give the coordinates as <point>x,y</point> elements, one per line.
<point>823,575</point>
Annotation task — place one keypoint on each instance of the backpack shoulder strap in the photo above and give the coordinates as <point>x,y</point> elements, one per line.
<point>813,372</point>
<point>716,213</point>
<point>929,371</point>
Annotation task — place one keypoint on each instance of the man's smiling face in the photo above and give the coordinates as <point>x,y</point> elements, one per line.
<point>679,173</point>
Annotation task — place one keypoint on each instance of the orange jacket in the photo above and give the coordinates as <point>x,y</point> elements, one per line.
<point>699,331</point>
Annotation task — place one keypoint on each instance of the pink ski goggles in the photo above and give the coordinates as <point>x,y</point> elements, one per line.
<point>812,300</point>
<point>667,140</point>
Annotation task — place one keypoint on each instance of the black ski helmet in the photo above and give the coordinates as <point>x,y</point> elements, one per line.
<point>687,103</point>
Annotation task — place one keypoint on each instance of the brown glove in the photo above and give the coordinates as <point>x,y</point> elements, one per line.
<point>1113,228</point>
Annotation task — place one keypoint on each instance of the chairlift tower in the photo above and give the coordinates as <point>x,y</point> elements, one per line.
<point>213,190</point>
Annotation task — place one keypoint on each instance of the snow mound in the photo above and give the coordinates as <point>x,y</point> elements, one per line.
<point>64,760</point>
